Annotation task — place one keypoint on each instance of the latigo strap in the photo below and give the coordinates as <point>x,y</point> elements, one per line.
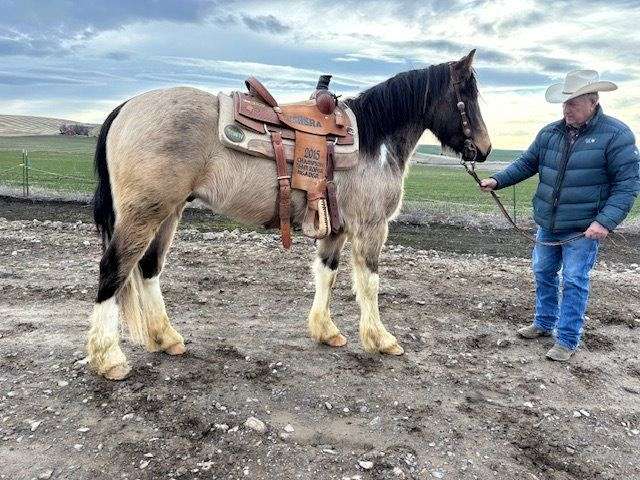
<point>284,190</point>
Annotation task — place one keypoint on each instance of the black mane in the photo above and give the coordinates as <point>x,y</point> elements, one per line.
<point>402,101</point>
<point>393,104</point>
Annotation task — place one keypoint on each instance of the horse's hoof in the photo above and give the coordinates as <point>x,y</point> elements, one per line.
<point>176,349</point>
<point>119,372</point>
<point>338,340</point>
<point>394,350</point>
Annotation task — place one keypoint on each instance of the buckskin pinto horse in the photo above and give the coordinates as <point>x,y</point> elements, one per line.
<point>158,150</point>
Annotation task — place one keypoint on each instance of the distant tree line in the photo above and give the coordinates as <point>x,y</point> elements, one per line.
<point>75,129</point>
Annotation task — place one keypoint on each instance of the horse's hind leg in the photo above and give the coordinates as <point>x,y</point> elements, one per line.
<point>367,242</point>
<point>118,291</point>
<point>325,268</point>
<point>162,335</point>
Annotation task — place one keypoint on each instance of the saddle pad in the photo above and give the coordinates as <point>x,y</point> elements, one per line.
<point>238,137</point>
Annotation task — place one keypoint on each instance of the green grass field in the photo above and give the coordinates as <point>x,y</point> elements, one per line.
<point>452,187</point>
<point>66,164</point>
<point>57,162</point>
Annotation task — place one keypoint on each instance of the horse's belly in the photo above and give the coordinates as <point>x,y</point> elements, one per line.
<point>246,189</point>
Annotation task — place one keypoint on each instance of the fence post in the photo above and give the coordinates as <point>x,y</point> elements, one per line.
<point>24,174</point>
<point>515,217</point>
<point>27,166</point>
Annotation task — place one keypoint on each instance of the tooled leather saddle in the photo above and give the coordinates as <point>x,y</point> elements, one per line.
<point>317,136</point>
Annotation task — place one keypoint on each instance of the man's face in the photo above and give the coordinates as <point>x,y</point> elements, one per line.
<point>578,110</point>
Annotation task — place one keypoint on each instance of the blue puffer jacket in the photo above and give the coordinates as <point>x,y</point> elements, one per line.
<point>596,179</point>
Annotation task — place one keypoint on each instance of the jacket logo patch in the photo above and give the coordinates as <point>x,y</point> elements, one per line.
<point>590,140</point>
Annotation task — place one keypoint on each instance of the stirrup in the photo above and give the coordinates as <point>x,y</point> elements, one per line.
<point>316,223</point>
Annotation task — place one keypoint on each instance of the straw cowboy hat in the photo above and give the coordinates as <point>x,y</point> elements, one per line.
<point>576,83</point>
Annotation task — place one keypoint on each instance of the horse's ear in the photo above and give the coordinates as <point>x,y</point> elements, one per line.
<point>464,64</point>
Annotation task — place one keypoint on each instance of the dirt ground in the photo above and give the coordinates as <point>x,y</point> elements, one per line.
<point>426,231</point>
<point>468,400</point>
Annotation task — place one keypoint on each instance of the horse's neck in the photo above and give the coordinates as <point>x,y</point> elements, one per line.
<point>400,146</point>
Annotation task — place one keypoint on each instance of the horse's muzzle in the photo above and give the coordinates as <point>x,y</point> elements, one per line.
<point>469,151</point>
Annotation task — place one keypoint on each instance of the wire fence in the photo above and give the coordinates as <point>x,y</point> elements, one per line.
<point>434,189</point>
<point>75,178</point>
<point>17,170</point>
<point>28,175</point>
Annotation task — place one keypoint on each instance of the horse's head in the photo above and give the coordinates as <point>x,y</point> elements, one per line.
<point>458,123</point>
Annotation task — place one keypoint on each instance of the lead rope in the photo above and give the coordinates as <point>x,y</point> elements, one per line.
<point>471,171</point>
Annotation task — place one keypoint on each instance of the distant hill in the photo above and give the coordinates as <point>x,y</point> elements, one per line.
<point>22,125</point>
<point>496,154</point>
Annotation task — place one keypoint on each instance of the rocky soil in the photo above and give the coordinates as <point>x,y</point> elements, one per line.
<point>256,398</point>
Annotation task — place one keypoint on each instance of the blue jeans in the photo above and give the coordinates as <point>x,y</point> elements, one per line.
<point>576,259</point>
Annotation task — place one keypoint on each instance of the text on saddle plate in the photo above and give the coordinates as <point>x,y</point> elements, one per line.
<point>302,120</point>
<point>310,163</point>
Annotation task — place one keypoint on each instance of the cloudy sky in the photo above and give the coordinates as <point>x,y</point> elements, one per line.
<point>78,59</point>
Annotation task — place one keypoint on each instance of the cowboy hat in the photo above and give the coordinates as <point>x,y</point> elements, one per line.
<point>576,83</point>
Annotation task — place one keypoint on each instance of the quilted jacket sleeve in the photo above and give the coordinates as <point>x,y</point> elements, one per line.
<point>523,167</point>
<point>623,164</point>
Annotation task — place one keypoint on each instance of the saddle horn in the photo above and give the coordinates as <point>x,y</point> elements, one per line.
<point>323,82</point>
<point>325,100</point>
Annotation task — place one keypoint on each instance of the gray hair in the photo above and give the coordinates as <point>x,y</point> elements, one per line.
<point>593,96</point>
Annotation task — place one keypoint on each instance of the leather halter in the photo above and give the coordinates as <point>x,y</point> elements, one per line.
<point>470,151</point>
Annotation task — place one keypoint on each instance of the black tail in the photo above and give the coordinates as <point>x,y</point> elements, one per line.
<point>103,213</point>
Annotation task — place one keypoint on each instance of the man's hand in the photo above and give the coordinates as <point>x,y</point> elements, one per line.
<point>596,231</point>
<point>488,184</point>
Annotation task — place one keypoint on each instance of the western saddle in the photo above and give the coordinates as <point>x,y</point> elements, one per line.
<point>307,134</point>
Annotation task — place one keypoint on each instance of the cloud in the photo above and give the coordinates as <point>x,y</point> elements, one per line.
<point>623,50</point>
<point>8,79</point>
<point>578,5</point>
<point>436,48</point>
<point>509,24</point>
<point>25,46</point>
<point>279,76</point>
<point>77,16</point>
<point>553,65</point>
<point>520,21</point>
<point>91,54</point>
<point>118,55</point>
<point>511,77</point>
<point>34,28</point>
<point>265,23</point>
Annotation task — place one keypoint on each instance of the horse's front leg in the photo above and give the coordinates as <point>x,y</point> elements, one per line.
<point>367,242</point>
<point>325,269</point>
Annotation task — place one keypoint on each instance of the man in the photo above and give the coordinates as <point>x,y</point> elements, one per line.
<point>588,166</point>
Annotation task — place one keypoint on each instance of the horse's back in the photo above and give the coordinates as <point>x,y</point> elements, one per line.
<point>174,122</point>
